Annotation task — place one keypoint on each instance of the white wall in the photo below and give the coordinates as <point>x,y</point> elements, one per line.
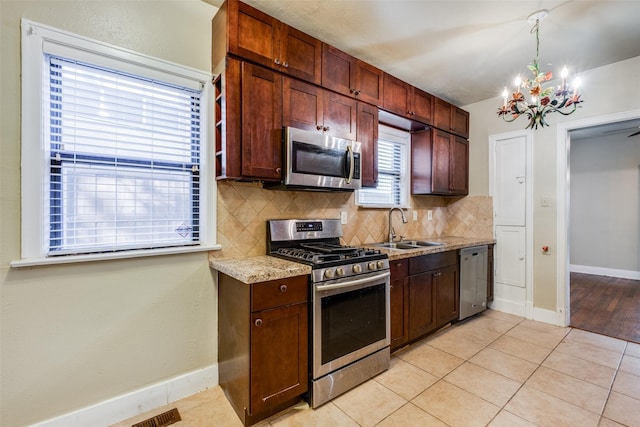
<point>605,196</point>
<point>74,335</point>
<point>606,90</point>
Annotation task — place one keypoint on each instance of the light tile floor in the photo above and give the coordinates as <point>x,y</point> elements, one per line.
<point>492,370</point>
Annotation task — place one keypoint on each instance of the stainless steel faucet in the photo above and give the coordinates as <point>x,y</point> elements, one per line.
<point>392,232</point>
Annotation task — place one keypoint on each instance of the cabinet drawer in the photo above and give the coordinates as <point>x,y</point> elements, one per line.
<point>277,293</point>
<point>432,262</point>
<point>399,268</point>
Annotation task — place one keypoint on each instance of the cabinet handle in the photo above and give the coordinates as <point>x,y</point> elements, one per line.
<point>438,274</point>
<point>352,91</point>
<point>318,127</point>
<point>258,322</point>
<point>357,92</point>
<point>285,64</point>
<point>277,61</point>
<point>283,288</point>
<point>326,128</point>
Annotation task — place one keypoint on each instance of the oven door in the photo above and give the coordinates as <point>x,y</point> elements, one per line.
<point>350,320</point>
<point>317,160</point>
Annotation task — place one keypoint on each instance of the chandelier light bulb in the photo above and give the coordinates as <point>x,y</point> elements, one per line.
<point>518,81</point>
<point>564,73</point>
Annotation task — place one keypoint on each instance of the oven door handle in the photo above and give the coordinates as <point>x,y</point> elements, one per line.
<point>355,282</point>
<point>352,163</point>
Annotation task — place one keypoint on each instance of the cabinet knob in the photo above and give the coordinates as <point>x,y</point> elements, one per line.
<point>357,92</point>
<point>278,171</point>
<point>283,288</point>
<point>326,128</point>
<point>258,322</point>
<point>438,274</point>
<point>318,127</point>
<point>285,64</point>
<point>352,91</point>
<point>277,61</point>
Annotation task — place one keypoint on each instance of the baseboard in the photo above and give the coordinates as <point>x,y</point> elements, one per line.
<point>545,316</point>
<point>601,271</point>
<point>130,404</point>
<point>507,306</point>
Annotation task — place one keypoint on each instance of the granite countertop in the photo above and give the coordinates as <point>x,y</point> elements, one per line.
<point>258,268</point>
<point>264,267</point>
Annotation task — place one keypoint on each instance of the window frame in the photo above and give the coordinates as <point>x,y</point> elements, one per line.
<point>399,137</point>
<point>39,39</point>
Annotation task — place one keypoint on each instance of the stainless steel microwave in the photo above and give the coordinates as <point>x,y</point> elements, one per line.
<point>322,162</point>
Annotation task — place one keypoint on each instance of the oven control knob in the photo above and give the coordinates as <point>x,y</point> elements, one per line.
<point>372,265</point>
<point>380,264</point>
<point>339,271</point>
<point>329,273</point>
<point>357,269</point>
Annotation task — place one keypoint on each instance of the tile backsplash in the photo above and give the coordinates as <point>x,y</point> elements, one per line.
<point>244,208</point>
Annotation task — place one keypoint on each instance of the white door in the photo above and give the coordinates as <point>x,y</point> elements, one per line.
<point>510,188</point>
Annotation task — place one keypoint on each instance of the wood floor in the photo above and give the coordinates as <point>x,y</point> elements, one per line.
<point>606,305</point>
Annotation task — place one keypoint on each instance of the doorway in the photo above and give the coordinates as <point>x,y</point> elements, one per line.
<point>564,137</point>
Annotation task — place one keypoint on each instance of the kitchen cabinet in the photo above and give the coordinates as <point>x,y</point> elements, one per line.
<point>407,101</point>
<point>262,344</point>
<point>350,76</point>
<point>367,135</point>
<point>449,118</point>
<point>313,108</point>
<point>433,292</point>
<point>439,163</point>
<point>248,122</point>
<point>399,302</point>
<point>248,33</point>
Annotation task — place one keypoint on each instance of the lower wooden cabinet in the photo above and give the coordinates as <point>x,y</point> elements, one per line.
<point>263,344</point>
<point>425,295</point>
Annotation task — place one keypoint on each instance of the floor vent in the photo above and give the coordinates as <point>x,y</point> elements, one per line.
<point>161,420</point>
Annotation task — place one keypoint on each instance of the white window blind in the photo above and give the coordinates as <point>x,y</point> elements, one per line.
<point>124,160</point>
<point>392,187</point>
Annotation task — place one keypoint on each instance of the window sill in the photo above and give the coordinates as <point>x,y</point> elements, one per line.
<point>72,259</point>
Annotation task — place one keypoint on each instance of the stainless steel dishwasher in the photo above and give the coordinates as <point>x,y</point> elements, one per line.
<point>473,281</point>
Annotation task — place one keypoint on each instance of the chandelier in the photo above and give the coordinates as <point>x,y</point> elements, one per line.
<point>543,98</point>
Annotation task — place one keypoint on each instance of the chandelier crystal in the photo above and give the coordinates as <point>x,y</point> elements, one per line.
<point>543,98</point>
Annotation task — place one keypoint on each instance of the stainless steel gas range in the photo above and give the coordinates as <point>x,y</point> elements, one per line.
<point>349,325</point>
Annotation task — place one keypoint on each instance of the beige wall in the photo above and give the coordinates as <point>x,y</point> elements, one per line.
<point>73,335</point>
<point>610,89</point>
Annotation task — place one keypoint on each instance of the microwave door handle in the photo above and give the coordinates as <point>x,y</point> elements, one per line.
<point>352,163</point>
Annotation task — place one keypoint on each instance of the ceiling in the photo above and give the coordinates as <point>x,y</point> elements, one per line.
<point>466,51</point>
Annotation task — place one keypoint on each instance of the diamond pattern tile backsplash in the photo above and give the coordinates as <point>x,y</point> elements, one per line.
<point>244,208</point>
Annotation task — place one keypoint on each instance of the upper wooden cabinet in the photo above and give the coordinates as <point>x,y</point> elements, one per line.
<point>313,108</point>
<point>367,135</point>
<point>449,118</point>
<point>258,37</point>
<point>248,122</point>
<point>349,76</point>
<point>407,101</point>
<point>439,163</point>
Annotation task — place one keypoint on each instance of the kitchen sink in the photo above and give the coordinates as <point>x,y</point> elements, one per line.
<point>408,244</point>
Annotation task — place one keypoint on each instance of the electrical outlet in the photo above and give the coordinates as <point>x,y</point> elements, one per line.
<point>415,215</point>
<point>343,217</point>
<point>429,215</point>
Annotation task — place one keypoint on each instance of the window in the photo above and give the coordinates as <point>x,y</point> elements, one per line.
<point>393,181</point>
<point>121,140</point>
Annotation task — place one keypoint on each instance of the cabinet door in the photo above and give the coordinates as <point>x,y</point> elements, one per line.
<point>253,35</point>
<point>369,83</point>
<point>399,303</point>
<point>279,356</point>
<point>447,300</point>
<point>301,54</point>
<point>338,72</point>
<point>422,317</point>
<point>421,162</point>
<point>396,95</point>
<point>302,105</point>
<point>367,135</point>
<point>422,106</point>
<point>440,162</point>
<point>261,122</point>
<point>459,122</point>
<point>459,165</point>
<point>441,114</point>
<point>339,115</point>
